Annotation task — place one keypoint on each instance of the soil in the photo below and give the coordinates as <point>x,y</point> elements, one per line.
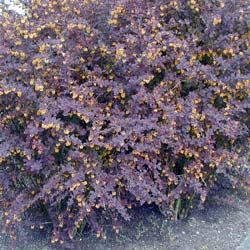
<point>224,224</point>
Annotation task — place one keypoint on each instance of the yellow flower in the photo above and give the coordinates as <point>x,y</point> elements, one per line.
<point>66,131</point>
<point>216,21</point>
<point>19,93</point>
<point>18,43</point>
<point>120,53</point>
<point>42,111</point>
<point>239,85</point>
<point>112,21</point>
<point>39,88</point>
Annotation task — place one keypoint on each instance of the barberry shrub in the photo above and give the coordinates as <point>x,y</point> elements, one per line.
<point>107,105</point>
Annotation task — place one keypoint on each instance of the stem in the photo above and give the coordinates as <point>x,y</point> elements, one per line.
<point>177,208</point>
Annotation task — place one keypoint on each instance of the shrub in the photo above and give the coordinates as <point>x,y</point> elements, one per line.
<point>107,105</point>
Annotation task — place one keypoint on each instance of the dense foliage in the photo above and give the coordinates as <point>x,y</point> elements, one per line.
<point>107,105</point>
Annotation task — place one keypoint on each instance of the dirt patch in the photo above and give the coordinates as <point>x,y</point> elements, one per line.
<point>220,226</point>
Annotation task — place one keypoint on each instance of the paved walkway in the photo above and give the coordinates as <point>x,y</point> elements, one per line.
<point>245,245</point>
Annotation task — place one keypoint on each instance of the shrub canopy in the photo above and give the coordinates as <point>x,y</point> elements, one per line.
<point>106,105</point>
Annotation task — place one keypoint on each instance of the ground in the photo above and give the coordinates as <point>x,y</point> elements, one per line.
<point>224,224</point>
